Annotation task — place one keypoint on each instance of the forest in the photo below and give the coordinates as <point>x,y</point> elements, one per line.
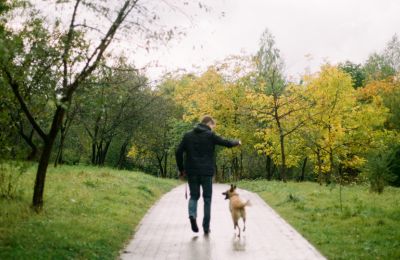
<point>64,102</point>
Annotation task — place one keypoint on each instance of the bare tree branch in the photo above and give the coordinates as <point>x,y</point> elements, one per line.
<point>15,87</point>
<point>68,43</point>
<point>104,43</point>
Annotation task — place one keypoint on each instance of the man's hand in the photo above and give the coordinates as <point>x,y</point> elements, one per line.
<point>182,175</point>
<point>240,142</point>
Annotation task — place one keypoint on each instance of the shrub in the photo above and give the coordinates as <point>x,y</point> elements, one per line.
<point>10,173</point>
<point>378,171</point>
<point>395,167</point>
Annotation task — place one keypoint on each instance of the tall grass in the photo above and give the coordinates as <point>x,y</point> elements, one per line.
<point>89,213</point>
<point>368,226</point>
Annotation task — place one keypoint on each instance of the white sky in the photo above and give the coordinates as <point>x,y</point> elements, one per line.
<point>308,32</point>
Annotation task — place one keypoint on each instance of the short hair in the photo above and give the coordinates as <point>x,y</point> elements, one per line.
<point>207,119</point>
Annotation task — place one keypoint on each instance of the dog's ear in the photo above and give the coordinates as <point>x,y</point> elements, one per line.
<point>234,187</point>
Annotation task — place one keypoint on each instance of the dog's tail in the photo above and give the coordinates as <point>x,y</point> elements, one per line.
<point>248,203</point>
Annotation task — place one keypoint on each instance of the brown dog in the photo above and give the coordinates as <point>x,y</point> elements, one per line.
<point>237,207</point>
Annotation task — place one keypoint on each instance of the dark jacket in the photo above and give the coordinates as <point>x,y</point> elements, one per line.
<point>199,146</point>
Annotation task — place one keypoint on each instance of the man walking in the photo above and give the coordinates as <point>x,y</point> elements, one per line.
<point>199,166</point>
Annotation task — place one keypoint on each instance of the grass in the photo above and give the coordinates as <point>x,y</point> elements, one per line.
<point>89,213</point>
<point>367,227</point>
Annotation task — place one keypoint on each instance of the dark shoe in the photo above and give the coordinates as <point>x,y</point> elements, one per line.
<point>207,232</point>
<point>193,223</point>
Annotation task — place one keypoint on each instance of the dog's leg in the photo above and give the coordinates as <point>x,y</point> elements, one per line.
<point>244,219</point>
<point>236,225</point>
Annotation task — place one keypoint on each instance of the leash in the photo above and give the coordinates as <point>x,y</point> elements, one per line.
<point>186,190</point>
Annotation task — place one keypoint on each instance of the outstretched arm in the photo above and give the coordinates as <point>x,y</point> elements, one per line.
<point>224,142</point>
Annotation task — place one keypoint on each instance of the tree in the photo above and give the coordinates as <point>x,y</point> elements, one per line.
<point>388,90</point>
<point>140,112</point>
<point>33,71</point>
<point>392,53</point>
<point>113,101</point>
<point>280,118</point>
<point>377,68</point>
<point>74,67</point>
<point>274,105</point>
<point>355,71</point>
<point>154,143</point>
<point>341,130</point>
<point>211,93</point>
<point>380,66</point>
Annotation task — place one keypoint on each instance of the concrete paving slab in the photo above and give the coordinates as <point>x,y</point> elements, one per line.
<point>164,232</point>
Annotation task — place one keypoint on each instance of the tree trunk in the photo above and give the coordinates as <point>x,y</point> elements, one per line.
<point>340,187</point>
<point>331,168</point>
<point>303,169</point>
<point>99,152</point>
<point>63,135</point>
<point>319,161</point>
<point>29,141</point>
<point>93,153</point>
<point>32,154</point>
<point>104,152</point>
<point>41,177</point>
<point>59,157</point>
<point>273,169</point>
<point>217,177</point>
<point>283,156</point>
<point>268,166</point>
<point>233,170</point>
<point>122,155</point>
<point>241,164</point>
<point>165,164</point>
<point>281,140</point>
<point>37,200</point>
<point>160,165</point>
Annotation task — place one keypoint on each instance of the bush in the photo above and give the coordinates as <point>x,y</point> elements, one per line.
<point>10,173</point>
<point>395,167</point>
<point>378,171</point>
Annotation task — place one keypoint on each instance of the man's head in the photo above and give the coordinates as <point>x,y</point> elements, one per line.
<point>208,120</point>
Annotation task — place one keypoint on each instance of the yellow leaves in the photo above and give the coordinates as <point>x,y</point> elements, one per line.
<point>376,88</point>
<point>211,94</point>
<point>325,168</point>
<point>354,162</point>
<point>324,118</point>
<point>136,152</point>
<point>335,124</point>
<point>200,96</point>
<point>343,128</point>
<point>279,116</point>
<point>133,152</point>
<point>329,87</point>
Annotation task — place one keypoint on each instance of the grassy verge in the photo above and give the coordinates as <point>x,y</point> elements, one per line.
<point>367,227</point>
<point>89,213</point>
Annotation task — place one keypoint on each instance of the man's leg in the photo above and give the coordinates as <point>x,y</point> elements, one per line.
<point>206,184</point>
<point>194,187</point>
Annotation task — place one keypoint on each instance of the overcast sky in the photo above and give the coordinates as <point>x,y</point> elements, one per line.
<point>308,32</point>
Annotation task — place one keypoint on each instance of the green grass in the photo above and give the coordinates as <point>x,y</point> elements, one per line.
<point>367,227</point>
<point>89,213</point>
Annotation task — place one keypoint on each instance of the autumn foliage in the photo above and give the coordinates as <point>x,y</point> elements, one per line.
<point>320,128</point>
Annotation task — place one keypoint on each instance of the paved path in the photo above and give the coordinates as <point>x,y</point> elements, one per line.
<point>165,233</point>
